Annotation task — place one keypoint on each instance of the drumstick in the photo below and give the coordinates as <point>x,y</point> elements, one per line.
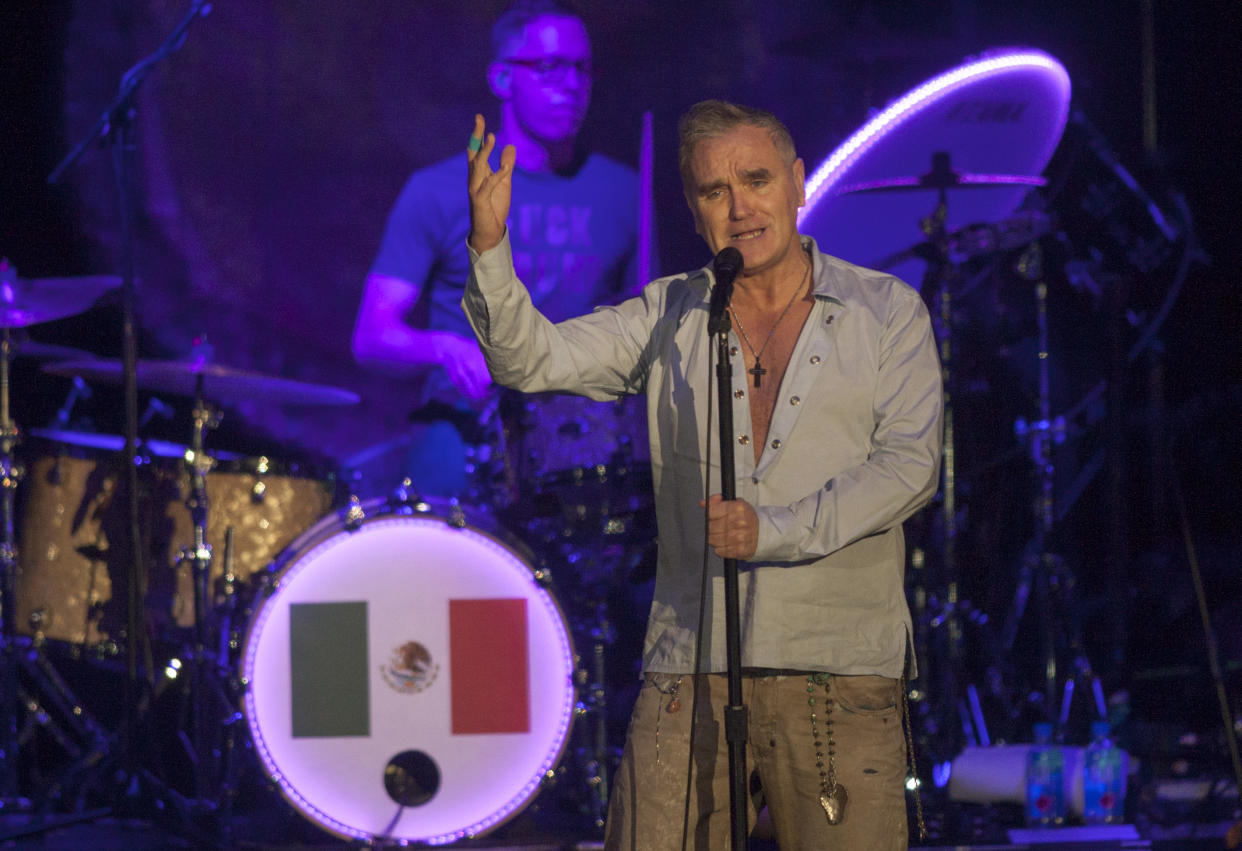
<point>646,208</point>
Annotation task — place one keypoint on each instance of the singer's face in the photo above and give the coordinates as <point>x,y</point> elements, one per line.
<point>744,193</point>
<point>549,78</point>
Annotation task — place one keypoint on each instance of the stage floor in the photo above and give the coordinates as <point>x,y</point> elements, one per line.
<point>97,832</point>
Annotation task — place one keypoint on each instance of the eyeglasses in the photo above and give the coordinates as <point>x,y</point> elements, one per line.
<point>554,70</point>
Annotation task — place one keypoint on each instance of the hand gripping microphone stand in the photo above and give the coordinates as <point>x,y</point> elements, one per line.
<point>726,267</point>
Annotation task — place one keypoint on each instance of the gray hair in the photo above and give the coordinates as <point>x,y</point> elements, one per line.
<point>708,119</point>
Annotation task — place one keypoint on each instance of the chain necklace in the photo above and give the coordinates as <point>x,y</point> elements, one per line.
<point>757,370</point>
<point>832,794</point>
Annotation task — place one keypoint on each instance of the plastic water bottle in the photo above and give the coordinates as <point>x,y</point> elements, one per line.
<point>1045,781</point>
<point>1104,779</point>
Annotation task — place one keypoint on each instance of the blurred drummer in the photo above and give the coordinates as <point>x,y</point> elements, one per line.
<point>573,231</point>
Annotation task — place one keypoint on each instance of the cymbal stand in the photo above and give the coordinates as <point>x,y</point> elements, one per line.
<point>602,635</point>
<point>1042,570</point>
<point>10,476</point>
<point>115,126</point>
<point>198,556</point>
<point>939,279</point>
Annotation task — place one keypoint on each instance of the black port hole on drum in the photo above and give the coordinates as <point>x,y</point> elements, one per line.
<point>411,778</point>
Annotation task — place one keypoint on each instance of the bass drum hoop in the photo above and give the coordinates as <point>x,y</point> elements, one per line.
<point>357,518</point>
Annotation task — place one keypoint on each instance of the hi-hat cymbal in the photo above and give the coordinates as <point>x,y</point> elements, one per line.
<point>212,381</point>
<point>29,301</point>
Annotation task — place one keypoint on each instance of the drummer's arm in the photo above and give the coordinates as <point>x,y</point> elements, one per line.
<point>383,338</point>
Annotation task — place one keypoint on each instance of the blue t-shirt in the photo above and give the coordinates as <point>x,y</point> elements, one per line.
<point>574,242</point>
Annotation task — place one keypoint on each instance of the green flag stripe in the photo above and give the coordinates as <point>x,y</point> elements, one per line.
<point>330,688</point>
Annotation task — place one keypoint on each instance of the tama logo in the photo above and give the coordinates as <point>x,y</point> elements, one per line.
<point>986,112</point>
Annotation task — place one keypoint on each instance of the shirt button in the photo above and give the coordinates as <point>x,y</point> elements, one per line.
<point>776,444</point>
<point>814,359</point>
<point>732,351</point>
<point>739,394</point>
<point>795,400</point>
<point>743,439</point>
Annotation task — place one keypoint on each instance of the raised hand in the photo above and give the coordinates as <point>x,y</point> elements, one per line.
<point>490,191</point>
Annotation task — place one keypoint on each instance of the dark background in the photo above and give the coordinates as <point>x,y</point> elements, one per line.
<point>270,147</point>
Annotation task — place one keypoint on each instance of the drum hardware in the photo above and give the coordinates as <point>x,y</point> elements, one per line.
<point>1042,571</point>
<point>941,276</point>
<point>79,390</point>
<point>975,240</point>
<point>944,252</point>
<point>26,302</point>
<point>595,703</point>
<point>53,708</point>
<point>115,126</point>
<point>198,556</point>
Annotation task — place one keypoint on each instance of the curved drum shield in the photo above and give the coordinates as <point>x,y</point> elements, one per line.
<point>408,677</point>
<point>998,119</point>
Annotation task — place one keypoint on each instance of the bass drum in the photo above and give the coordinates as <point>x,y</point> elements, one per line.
<point>408,676</point>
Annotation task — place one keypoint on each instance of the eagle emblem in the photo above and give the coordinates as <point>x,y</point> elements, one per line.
<point>410,669</point>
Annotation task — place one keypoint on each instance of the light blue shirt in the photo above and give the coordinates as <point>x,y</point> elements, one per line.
<point>853,450</point>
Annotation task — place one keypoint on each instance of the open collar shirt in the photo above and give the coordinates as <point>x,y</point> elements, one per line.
<point>852,451</point>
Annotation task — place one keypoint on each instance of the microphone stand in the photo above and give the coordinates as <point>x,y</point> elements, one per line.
<point>735,714</point>
<point>115,125</point>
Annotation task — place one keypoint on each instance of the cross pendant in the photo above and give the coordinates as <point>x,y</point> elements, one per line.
<point>757,371</point>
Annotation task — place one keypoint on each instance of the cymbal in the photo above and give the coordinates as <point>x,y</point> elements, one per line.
<point>48,351</point>
<point>115,443</point>
<point>957,180</point>
<point>213,381</point>
<point>991,124</point>
<point>29,301</point>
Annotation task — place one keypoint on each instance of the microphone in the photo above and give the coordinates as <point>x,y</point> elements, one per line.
<point>726,267</point>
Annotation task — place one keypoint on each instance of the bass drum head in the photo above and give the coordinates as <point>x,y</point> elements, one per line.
<point>407,678</point>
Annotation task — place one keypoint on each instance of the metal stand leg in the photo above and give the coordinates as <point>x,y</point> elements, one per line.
<point>1045,572</point>
<point>597,702</point>
<point>10,476</point>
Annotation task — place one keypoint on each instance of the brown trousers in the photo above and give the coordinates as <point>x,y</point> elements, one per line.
<point>858,718</point>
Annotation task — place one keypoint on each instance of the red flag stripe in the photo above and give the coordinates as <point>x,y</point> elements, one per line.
<point>489,666</point>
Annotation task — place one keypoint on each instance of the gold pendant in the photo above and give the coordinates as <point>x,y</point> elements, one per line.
<point>834,804</point>
<point>673,707</point>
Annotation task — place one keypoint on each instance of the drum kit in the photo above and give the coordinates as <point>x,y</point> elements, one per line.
<point>404,663</point>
